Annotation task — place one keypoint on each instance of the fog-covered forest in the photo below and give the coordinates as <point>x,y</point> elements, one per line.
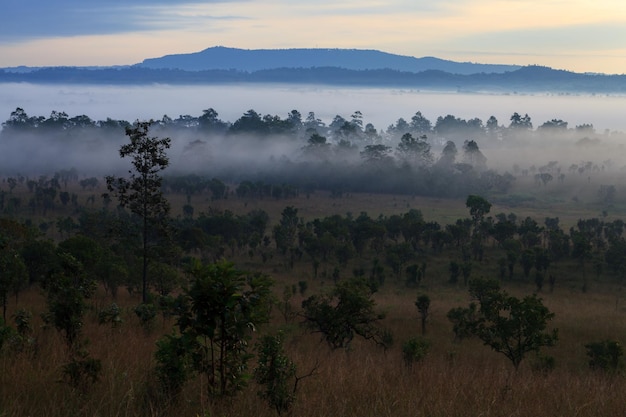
<point>446,157</point>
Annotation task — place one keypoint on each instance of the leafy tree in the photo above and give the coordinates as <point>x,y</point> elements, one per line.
<point>478,207</point>
<point>581,251</point>
<point>507,324</point>
<point>216,317</point>
<point>173,364</point>
<point>142,191</point>
<point>250,122</point>
<point>605,355</point>
<point>520,122</point>
<point>415,151</point>
<point>448,155</point>
<point>419,124</point>
<point>276,373</point>
<point>346,311</point>
<point>285,231</point>
<point>13,275</point>
<point>474,156</point>
<point>455,271</point>
<point>423,304</point>
<point>67,288</point>
<point>527,260</point>
<point>377,154</point>
<point>414,350</point>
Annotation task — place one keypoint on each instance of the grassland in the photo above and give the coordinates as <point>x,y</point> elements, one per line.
<point>455,379</point>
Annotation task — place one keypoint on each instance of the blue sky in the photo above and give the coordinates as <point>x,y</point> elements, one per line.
<point>578,35</point>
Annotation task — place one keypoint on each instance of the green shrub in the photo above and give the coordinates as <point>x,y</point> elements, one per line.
<point>111,315</point>
<point>605,355</point>
<point>414,350</point>
<point>146,314</point>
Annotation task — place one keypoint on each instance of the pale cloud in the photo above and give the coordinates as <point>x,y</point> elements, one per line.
<point>574,34</point>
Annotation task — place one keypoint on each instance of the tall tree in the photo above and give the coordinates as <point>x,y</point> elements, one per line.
<point>141,192</point>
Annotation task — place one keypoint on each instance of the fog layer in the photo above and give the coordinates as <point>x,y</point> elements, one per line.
<point>449,154</point>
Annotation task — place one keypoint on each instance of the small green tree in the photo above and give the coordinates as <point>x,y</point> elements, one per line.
<point>414,350</point>
<point>605,355</point>
<point>67,289</point>
<point>423,304</point>
<point>173,364</point>
<point>507,324</point>
<point>216,317</point>
<point>276,373</point>
<point>13,275</point>
<point>346,311</point>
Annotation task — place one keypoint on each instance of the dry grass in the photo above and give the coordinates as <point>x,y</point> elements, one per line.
<point>466,379</point>
<point>454,379</point>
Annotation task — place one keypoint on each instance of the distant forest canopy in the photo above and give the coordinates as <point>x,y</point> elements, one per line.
<point>449,157</point>
<point>528,79</point>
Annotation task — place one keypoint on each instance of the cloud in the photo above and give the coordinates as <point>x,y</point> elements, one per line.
<point>583,37</point>
<point>28,20</point>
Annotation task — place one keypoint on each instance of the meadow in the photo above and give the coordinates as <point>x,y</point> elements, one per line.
<point>454,379</point>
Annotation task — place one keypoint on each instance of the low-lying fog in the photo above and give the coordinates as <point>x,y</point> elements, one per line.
<point>561,135</point>
<point>381,107</point>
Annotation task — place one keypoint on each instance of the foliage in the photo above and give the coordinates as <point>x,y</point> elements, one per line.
<point>414,350</point>
<point>13,275</point>
<point>346,311</point>
<point>23,323</point>
<point>142,191</point>
<point>605,355</point>
<point>146,312</point>
<point>507,324</point>
<point>285,231</point>
<point>423,304</point>
<point>82,370</point>
<point>111,315</point>
<point>173,364</point>
<point>216,317</point>
<point>67,289</point>
<point>276,373</point>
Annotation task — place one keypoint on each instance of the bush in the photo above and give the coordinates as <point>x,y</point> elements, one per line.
<point>82,371</point>
<point>111,315</point>
<point>276,373</point>
<point>146,314</point>
<point>414,350</point>
<point>173,367</point>
<point>605,355</point>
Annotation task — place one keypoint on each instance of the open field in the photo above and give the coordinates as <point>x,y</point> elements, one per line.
<point>454,379</point>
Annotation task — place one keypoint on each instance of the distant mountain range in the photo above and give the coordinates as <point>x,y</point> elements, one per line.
<point>252,60</point>
<point>349,67</point>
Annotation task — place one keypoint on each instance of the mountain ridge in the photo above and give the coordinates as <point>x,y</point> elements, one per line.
<point>250,60</point>
<point>448,76</point>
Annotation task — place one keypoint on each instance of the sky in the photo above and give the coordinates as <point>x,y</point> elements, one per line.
<point>575,35</point>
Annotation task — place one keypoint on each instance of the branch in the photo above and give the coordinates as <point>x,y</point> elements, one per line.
<point>311,373</point>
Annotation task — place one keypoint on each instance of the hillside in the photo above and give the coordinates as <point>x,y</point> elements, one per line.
<point>251,60</point>
<point>337,67</point>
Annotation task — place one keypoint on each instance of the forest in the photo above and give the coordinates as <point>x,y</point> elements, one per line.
<point>286,266</point>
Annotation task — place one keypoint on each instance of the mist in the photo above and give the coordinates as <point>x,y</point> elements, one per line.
<point>567,147</point>
<point>380,106</point>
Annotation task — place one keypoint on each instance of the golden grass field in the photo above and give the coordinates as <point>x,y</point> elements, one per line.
<point>455,379</point>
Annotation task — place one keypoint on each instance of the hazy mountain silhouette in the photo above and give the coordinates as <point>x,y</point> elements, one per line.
<point>339,67</point>
<point>251,60</point>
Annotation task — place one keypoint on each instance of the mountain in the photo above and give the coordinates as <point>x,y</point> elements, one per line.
<point>251,60</point>
<point>337,67</point>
